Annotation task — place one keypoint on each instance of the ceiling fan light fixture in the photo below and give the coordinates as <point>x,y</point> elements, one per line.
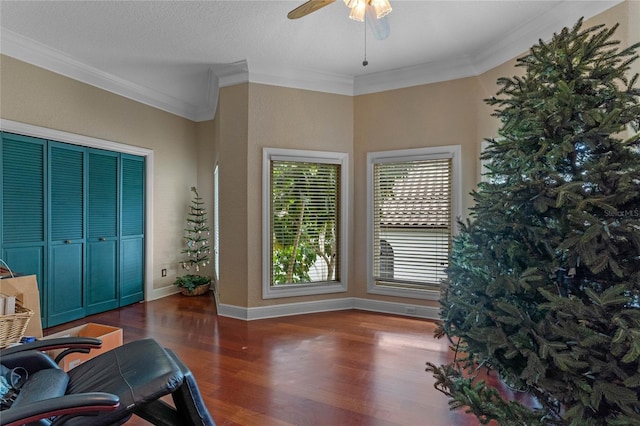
<point>358,10</point>
<point>381,7</point>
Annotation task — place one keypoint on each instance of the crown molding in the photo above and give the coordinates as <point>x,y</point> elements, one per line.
<point>208,110</point>
<point>35,53</point>
<point>415,75</point>
<point>231,74</point>
<point>303,79</point>
<point>224,75</point>
<point>543,27</point>
<point>507,48</point>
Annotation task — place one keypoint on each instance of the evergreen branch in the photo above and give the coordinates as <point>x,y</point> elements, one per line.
<point>544,285</point>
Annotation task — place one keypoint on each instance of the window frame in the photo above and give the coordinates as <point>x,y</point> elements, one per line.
<point>408,155</point>
<point>306,156</point>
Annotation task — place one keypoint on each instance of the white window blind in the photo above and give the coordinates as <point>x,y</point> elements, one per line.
<point>412,222</point>
<point>304,214</point>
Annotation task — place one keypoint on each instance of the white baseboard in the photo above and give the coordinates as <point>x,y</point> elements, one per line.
<point>300,308</point>
<point>283,310</point>
<point>419,311</point>
<point>159,293</point>
<point>262,312</point>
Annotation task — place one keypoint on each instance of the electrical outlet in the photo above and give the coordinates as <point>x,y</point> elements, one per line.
<point>410,310</point>
<point>164,272</point>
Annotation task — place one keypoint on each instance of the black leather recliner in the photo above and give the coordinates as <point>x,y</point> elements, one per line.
<point>105,390</point>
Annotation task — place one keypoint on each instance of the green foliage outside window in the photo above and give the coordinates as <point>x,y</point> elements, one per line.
<point>304,216</point>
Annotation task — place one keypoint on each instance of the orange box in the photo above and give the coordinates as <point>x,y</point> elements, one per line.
<point>111,338</point>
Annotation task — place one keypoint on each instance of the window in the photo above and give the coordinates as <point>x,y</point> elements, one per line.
<point>304,222</point>
<point>413,203</point>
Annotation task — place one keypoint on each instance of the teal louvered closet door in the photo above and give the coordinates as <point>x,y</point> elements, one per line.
<point>66,295</point>
<point>23,183</point>
<point>73,216</point>
<point>132,231</point>
<point>102,231</point>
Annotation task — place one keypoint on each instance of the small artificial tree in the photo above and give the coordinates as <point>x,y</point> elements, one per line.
<point>543,286</point>
<point>197,244</point>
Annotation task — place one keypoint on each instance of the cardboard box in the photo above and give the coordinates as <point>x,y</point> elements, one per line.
<point>111,338</point>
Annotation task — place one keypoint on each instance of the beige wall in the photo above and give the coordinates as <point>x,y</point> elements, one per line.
<point>272,117</point>
<point>38,97</point>
<point>425,116</point>
<point>633,26</point>
<point>300,119</point>
<point>233,115</point>
<point>207,158</point>
<point>627,14</point>
<point>487,126</point>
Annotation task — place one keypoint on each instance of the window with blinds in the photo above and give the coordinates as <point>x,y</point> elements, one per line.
<point>412,213</point>
<point>304,217</point>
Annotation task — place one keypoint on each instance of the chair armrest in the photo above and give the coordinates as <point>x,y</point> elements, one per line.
<point>75,404</point>
<point>73,345</point>
<point>57,343</point>
<point>31,361</point>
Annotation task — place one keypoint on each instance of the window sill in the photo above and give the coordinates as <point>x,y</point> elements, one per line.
<point>386,290</point>
<point>292,290</point>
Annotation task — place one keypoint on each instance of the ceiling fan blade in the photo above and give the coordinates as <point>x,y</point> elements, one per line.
<point>307,8</point>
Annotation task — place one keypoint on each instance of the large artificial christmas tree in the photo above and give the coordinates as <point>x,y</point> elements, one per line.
<point>543,286</point>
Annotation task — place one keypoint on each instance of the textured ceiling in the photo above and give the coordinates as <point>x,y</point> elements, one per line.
<point>173,54</point>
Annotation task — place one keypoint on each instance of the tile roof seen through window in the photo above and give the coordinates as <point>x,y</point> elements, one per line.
<point>421,198</point>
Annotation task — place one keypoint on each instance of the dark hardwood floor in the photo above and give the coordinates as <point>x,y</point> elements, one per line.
<point>334,368</point>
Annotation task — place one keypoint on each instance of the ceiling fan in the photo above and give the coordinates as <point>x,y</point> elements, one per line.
<point>375,11</point>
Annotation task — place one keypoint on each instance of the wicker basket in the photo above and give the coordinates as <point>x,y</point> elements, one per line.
<point>197,291</point>
<point>12,327</point>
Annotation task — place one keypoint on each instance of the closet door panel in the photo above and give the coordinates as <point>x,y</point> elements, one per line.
<point>132,271</point>
<point>132,230</point>
<point>66,296</point>
<point>66,192</point>
<point>102,231</point>
<point>23,189</point>
<point>66,292</point>
<point>27,260</point>
<point>23,207</point>
<point>102,292</point>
